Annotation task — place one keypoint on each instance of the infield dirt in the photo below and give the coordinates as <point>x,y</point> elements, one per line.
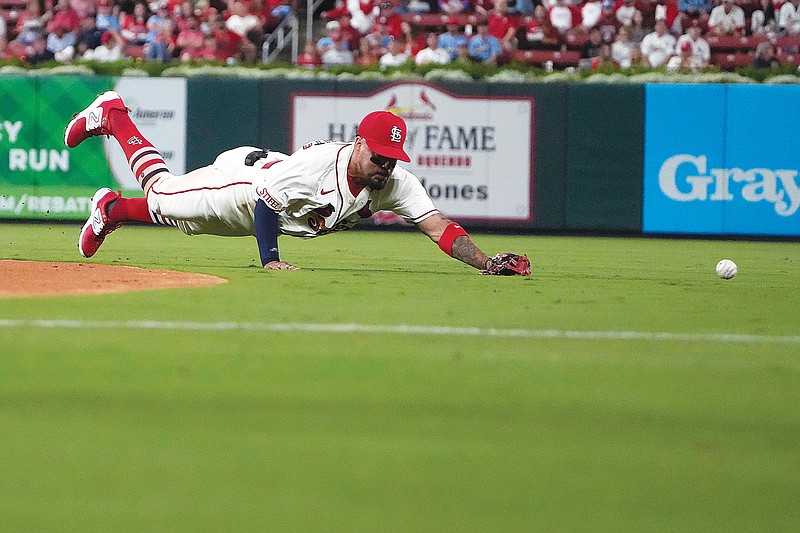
<point>38,278</point>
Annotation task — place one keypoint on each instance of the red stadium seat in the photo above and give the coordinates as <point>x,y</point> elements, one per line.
<point>560,59</point>
<point>731,61</point>
<point>432,20</point>
<point>788,43</point>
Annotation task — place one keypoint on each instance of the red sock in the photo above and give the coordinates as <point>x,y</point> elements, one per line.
<point>130,209</point>
<point>144,159</point>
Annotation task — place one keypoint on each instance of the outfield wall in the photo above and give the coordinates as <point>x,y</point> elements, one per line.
<point>684,159</point>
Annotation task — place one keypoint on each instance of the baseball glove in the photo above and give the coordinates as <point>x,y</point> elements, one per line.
<point>508,264</point>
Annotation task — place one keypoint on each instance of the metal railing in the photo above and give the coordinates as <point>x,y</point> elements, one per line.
<point>287,32</point>
<point>311,6</point>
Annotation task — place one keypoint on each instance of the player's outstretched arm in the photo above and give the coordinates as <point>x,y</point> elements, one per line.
<point>455,242</point>
<point>265,221</point>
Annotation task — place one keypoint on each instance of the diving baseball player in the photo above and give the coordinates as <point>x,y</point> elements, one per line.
<point>321,188</point>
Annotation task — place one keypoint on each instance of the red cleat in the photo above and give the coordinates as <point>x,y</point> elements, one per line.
<point>93,120</point>
<point>98,226</point>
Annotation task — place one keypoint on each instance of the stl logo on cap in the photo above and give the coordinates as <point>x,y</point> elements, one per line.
<point>384,134</point>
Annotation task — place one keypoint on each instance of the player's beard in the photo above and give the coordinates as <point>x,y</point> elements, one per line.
<point>378,181</point>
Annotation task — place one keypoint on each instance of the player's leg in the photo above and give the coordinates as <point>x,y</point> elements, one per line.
<point>108,115</point>
<point>217,199</point>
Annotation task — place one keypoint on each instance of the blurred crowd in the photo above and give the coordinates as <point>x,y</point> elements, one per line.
<point>623,33</point>
<point>162,30</point>
<point>678,34</point>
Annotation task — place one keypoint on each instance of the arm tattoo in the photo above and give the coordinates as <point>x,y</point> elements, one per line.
<point>465,250</point>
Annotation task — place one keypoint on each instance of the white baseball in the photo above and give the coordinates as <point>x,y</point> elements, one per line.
<point>726,269</point>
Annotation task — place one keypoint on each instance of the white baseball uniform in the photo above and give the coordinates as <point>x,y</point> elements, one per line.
<point>309,190</point>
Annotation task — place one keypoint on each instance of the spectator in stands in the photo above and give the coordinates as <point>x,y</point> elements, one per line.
<point>539,33</point>
<point>88,37</point>
<point>453,7</point>
<point>452,38</point>
<point>350,35</point>
<point>564,17</point>
<point>700,47</point>
<point>625,12</point>
<point>156,21</point>
<point>668,11</point>
<point>764,20</point>
<point>462,55</point>
<point>230,46</point>
<point>337,55</point>
<point>37,51</point>
<point>398,54</point>
<point>691,10</point>
<point>181,13</point>
<point>326,43</point>
<point>789,17</point>
<point>243,23</point>
<point>622,51</point>
<point>203,11</point>
<point>62,43</point>
<point>684,60</point>
<point>162,46</point>
<point>309,58</point>
<point>591,48</point>
<point>590,14</point>
<point>380,36</point>
<point>658,46</point>
<point>367,54</point>
<point>361,13</point>
<point>608,23</point>
<point>502,26</point>
<point>482,8</point>
<point>637,28</point>
<point>279,9</point>
<point>765,56</point>
<point>483,47</point>
<point>604,58</point>
<point>105,19</point>
<point>433,53</point>
<point>209,51</point>
<point>30,18</point>
<point>110,49</point>
<point>85,8</point>
<point>64,15</point>
<point>523,8</point>
<point>393,21</point>
<point>726,19</point>
<point>418,7</point>
<point>31,30</point>
<point>134,26</point>
<point>190,40</point>
<point>266,21</point>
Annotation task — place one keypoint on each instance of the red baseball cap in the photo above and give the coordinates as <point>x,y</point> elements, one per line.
<point>385,134</point>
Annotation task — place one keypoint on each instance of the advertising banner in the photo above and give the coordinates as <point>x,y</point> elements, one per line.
<point>474,155</point>
<point>41,178</point>
<point>721,160</point>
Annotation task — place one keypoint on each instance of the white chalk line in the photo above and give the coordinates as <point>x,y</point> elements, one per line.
<point>292,327</point>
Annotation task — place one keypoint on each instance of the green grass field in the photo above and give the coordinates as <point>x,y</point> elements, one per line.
<point>241,407</point>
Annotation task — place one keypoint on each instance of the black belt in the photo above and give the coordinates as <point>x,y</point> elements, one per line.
<point>254,156</point>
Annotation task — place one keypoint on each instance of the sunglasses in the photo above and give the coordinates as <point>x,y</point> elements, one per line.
<point>382,161</point>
